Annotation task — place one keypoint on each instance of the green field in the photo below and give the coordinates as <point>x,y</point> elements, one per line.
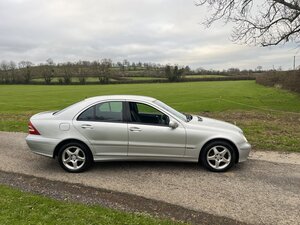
<point>269,116</point>
<point>23,208</point>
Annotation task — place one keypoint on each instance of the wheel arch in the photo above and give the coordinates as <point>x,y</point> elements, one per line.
<point>225,140</point>
<point>66,141</point>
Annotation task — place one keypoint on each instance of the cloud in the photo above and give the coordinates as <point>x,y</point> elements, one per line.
<point>161,31</point>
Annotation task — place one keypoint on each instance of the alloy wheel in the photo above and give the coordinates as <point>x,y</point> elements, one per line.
<point>73,158</point>
<point>218,157</point>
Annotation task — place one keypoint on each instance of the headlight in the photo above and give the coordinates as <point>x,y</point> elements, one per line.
<point>243,136</point>
<point>245,139</point>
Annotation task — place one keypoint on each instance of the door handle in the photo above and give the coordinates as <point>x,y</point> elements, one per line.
<point>135,129</point>
<point>86,126</point>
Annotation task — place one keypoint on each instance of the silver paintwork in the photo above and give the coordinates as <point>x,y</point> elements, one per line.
<point>182,141</point>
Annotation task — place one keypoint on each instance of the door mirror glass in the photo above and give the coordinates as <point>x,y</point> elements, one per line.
<point>173,124</point>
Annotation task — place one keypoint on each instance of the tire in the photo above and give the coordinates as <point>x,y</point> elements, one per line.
<point>218,156</point>
<point>75,157</point>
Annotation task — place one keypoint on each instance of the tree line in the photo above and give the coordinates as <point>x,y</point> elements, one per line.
<point>104,70</point>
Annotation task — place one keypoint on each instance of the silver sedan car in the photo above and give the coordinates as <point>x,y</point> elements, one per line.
<point>127,127</point>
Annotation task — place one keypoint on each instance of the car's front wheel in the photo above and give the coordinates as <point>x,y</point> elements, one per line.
<point>218,156</point>
<point>74,157</point>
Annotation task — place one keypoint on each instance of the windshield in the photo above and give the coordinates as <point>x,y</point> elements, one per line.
<point>171,110</point>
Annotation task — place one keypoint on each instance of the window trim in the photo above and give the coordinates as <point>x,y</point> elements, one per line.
<point>102,102</point>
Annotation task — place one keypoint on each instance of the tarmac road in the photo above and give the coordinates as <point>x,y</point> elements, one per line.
<point>263,190</point>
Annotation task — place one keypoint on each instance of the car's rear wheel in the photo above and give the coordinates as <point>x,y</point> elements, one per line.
<point>218,156</point>
<point>75,157</point>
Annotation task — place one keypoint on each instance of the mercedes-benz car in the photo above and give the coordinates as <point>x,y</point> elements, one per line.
<point>128,127</point>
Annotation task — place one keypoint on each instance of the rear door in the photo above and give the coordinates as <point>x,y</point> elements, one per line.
<point>103,125</point>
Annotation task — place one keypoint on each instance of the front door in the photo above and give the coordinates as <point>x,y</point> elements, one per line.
<point>150,134</point>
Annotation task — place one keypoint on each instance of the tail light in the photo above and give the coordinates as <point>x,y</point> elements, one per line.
<point>32,129</point>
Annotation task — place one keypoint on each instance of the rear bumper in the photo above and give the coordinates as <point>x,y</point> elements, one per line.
<point>41,145</point>
<point>244,150</point>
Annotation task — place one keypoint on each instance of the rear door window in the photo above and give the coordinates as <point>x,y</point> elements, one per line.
<point>103,112</point>
<point>109,111</point>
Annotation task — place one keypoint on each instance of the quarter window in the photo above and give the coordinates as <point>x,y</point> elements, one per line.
<point>87,115</point>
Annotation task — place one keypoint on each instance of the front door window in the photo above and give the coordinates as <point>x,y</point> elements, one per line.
<point>145,114</point>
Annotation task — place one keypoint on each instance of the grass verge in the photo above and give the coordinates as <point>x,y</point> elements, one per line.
<point>266,131</point>
<point>18,207</point>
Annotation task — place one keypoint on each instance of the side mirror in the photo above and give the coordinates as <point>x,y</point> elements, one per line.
<point>173,124</point>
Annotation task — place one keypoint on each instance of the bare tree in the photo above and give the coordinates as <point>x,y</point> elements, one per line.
<point>133,66</point>
<point>259,22</point>
<point>259,68</point>
<point>233,71</point>
<point>26,70</point>
<point>81,75</point>
<point>67,72</point>
<point>81,71</point>
<point>187,69</point>
<point>97,68</point>
<point>4,66</point>
<point>50,62</point>
<point>121,66</point>
<point>126,63</point>
<point>106,65</point>
<point>48,70</point>
<point>103,70</point>
<point>12,68</point>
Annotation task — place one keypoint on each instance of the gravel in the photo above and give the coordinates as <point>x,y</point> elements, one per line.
<point>258,191</point>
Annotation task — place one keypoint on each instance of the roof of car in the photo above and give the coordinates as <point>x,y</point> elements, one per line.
<point>121,97</point>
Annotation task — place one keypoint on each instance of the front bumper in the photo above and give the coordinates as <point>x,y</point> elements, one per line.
<point>41,145</point>
<point>244,150</point>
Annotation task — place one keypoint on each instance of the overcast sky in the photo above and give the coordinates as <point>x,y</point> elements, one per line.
<point>160,31</point>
